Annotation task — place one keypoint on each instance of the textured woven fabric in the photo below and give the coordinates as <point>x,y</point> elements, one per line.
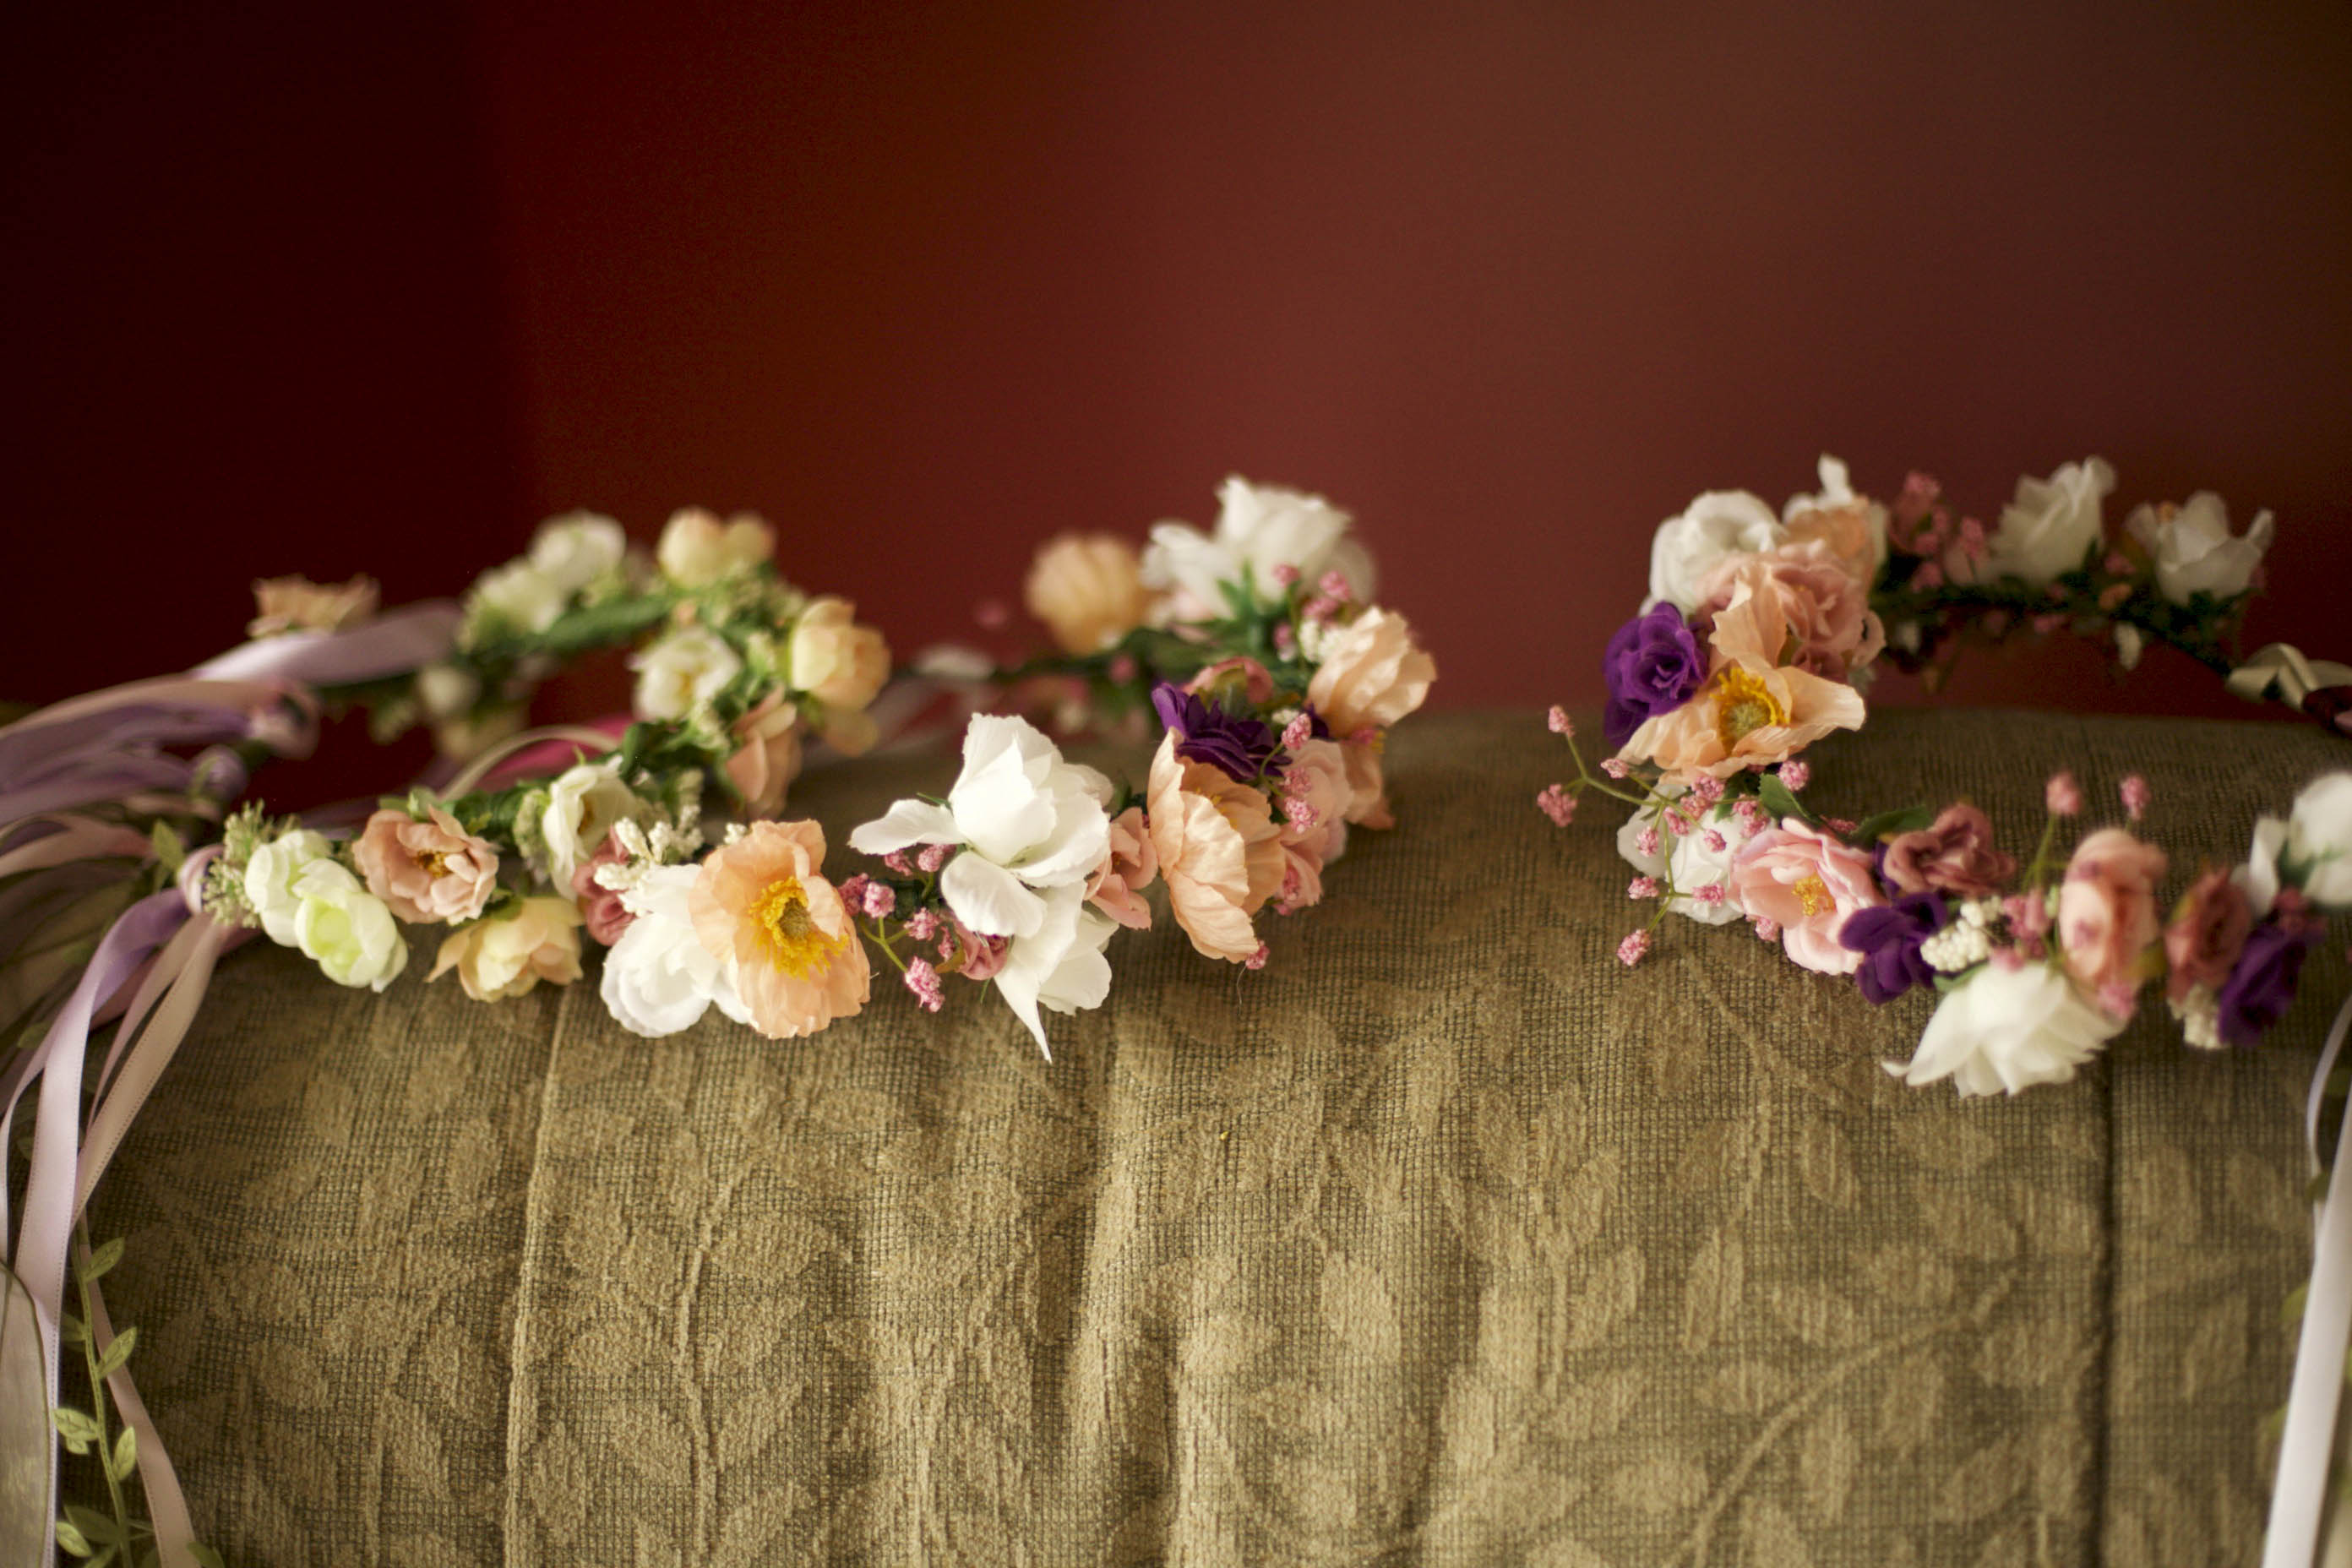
<point>1443,1239</point>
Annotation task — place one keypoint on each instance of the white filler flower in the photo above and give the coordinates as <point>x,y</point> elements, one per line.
<point>1030,823</point>
<point>2007,1029</point>
<point>1261,527</point>
<point>659,978</point>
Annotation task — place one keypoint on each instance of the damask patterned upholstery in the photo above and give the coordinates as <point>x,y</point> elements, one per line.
<point>1445,1239</point>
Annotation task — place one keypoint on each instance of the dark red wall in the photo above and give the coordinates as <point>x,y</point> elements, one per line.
<point>287,290</point>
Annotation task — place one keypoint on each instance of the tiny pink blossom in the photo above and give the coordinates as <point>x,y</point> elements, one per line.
<point>1319,608</point>
<point>2062,794</point>
<point>1647,842</point>
<point>2113,595</point>
<point>1560,722</point>
<point>2116,998</point>
<point>992,615</point>
<point>1284,575</point>
<point>1285,641</point>
<point>1335,586</point>
<point>1712,893</point>
<point>921,924</point>
<point>934,856</point>
<point>2115,564</point>
<point>1256,959</point>
<point>1796,774</point>
<point>1715,842</point>
<point>1843,827</point>
<point>896,861</point>
<point>1928,577</point>
<point>1642,888</point>
<point>1674,822</point>
<point>1750,813</point>
<point>2136,796</point>
<point>881,899</point>
<point>1299,813</point>
<point>924,982</point>
<point>2028,913</point>
<point>1767,927</point>
<point>1615,767</point>
<point>1629,951</point>
<point>1122,668</point>
<point>1706,789</point>
<point>1559,805</point>
<point>1972,539</point>
<point>852,891</point>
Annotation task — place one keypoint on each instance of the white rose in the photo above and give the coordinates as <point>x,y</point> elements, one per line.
<point>269,875</point>
<point>520,594</point>
<point>2051,524</point>
<point>347,930</point>
<point>2009,1029</point>
<point>1058,965</point>
<point>1686,550</point>
<point>583,805</point>
<point>575,550</point>
<point>683,671</point>
<point>1696,864</point>
<point>2194,551</point>
<point>659,978</point>
<point>2319,840</point>
<point>1260,527</point>
<point>697,549</point>
<point>2258,879</point>
<point>1031,822</point>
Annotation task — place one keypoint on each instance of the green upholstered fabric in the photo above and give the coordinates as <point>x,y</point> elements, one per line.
<point>1443,1239</point>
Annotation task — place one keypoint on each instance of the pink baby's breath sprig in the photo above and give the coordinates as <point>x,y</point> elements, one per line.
<point>2061,794</point>
<point>1631,951</point>
<point>1796,774</point>
<point>1556,802</point>
<point>1642,888</point>
<point>933,857</point>
<point>2136,796</point>
<point>924,982</point>
<point>1560,723</point>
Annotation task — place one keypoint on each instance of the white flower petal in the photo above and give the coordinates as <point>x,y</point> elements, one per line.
<point>906,821</point>
<point>990,900</point>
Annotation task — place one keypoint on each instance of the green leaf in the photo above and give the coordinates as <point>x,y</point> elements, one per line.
<point>73,1331</point>
<point>1780,800</point>
<point>79,1431</point>
<point>102,1259</point>
<point>169,849</point>
<point>103,1557</point>
<point>205,1556</point>
<point>125,1458</point>
<point>118,1352</point>
<point>98,1527</point>
<point>1887,823</point>
<point>71,1541</point>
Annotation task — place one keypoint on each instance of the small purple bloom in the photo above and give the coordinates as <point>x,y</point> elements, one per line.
<point>2262,984</point>
<point>1888,939</point>
<point>1652,666</point>
<point>1244,748</point>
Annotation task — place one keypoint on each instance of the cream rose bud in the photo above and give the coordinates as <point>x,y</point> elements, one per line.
<point>583,805</point>
<point>575,550</point>
<point>519,594</point>
<point>2007,1029</point>
<point>697,549</point>
<point>508,956</point>
<point>1686,551</point>
<point>683,671</point>
<point>1089,591</point>
<point>2194,550</point>
<point>834,659</point>
<point>344,928</point>
<point>2319,840</point>
<point>2051,524</point>
<point>270,877</point>
<point>1260,528</point>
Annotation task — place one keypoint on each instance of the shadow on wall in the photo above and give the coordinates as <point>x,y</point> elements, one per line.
<point>293,289</point>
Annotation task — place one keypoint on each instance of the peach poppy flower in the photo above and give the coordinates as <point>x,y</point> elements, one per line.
<point>1220,851</point>
<point>762,902</point>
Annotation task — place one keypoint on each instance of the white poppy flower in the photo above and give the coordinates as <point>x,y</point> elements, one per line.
<point>575,550</point>
<point>1060,964</point>
<point>1261,527</point>
<point>682,672</point>
<point>2194,551</point>
<point>1686,550</point>
<point>269,875</point>
<point>2051,524</point>
<point>347,930</point>
<point>2007,1029</point>
<point>659,978</point>
<point>1030,820</point>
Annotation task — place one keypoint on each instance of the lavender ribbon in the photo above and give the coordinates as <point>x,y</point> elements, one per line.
<point>394,643</point>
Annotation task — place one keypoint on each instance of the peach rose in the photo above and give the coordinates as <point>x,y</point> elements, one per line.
<point>426,871</point>
<point>299,604</point>
<point>608,918</point>
<point>1368,788</point>
<point>1088,590</point>
<point>1808,882</point>
<point>762,902</point>
<point>1798,606</point>
<point>1853,533</point>
<point>834,659</point>
<point>2106,911</point>
<point>2207,932</point>
<point>767,756</point>
<point>697,549</point>
<point>1372,674</point>
<point>1314,823</point>
<point>1952,855</point>
<point>1116,886</point>
<point>509,954</point>
<point>1218,850</point>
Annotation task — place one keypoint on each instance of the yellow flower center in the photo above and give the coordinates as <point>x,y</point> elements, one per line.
<point>1744,704</point>
<point>433,862</point>
<point>1812,895</point>
<point>789,939</point>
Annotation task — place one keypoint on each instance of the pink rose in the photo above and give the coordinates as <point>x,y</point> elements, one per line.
<point>1804,593</point>
<point>2107,909</point>
<point>426,871</point>
<point>1807,882</point>
<point>2207,932</point>
<point>982,956</point>
<point>601,906</point>
<point>767,756</point>
<point>1954,854</point>
<point>1127,867</point>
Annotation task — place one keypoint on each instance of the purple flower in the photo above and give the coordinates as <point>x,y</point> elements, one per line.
<point>1888,939</point>
<point>1652,666</point>
<point>2261,987</point>
<point>1244,748</point>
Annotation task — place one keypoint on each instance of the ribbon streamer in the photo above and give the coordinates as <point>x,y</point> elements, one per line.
<point>2320,687</point>
<point>2301,1492</point>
